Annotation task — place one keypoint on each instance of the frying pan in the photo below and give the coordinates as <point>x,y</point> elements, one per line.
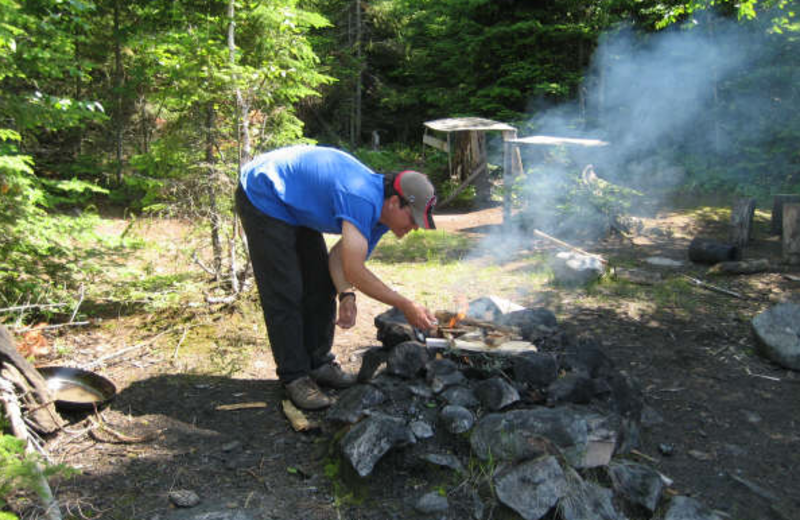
<point>75,389</point>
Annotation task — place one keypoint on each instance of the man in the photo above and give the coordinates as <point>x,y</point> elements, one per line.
<point>287,199</point>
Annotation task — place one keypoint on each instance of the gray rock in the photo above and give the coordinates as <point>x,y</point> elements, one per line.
<point>477,505</point>
<point>532,323</point>
<point>778,332</point>
<point>686,508</point>
<point>231,446</point>
<point>588,501</point>
<point>570,268</point>
<point>355,403</point>
<point>371,361</point>
<point>524,434</point>
<point>442,373</point>
<point>457,419</point>
<point>534,369</point>
<point>432,502</point>
<point>420,390</point>
<point>369,440</point>
<point>496,393</point>
<point>210,514</point>
<point>184,498</point>
<point>407,359</point>
<point>491,308</point>
<point>446,460</point>
<point>532,488</point>
<point>421,430</point>
<point>574,387</point>
<point>460,396</point>
<point>588,357</point>
<point>637,483</point>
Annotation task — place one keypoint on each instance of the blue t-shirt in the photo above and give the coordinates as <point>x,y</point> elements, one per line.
<point>316,187</point>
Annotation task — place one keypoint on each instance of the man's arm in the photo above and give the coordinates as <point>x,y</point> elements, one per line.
<point>351,255</point>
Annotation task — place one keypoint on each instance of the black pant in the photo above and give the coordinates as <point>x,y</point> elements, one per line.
<point>298,297</point>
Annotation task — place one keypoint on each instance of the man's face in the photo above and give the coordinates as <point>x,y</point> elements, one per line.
<point>400,221</point>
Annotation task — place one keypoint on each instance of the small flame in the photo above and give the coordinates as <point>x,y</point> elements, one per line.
<point>462,305</point>
<point>455,320</point>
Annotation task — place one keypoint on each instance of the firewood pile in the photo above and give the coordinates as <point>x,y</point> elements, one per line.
<point>29,408</point>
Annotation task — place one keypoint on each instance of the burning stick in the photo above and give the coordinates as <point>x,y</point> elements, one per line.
<point>448,317</point>
<point>564,244</point>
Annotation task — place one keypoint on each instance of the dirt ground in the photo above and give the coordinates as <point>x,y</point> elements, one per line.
<point>723,423</point>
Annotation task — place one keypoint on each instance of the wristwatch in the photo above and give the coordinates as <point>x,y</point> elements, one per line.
<point>345,294</point>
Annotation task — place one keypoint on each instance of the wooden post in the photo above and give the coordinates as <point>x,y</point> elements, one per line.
<point>483,183</point>
<point>742,222</point>
<point>791,233</point>
<point>777,211</point>
<point>509,163</point>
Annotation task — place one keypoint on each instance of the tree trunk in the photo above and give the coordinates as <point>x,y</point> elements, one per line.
<point>118,83</point>
<point>213,209</point>
<point>742,222</point>
<point>778,201</point>
<point>355,136</point>
<point>791,233</point>
<point>242,122</point>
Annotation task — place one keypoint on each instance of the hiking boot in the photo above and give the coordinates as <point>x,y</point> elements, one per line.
<point>331,375</point>
<point>305,394</point>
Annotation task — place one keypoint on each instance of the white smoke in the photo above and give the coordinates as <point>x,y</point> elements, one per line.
<point>652,97</point>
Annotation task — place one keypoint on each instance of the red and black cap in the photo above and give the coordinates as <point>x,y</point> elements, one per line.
<point>418,192</point>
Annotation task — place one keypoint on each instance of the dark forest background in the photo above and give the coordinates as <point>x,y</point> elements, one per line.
<point>150,107</point>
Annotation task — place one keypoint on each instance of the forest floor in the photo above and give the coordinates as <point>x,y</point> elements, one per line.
<point>728,434</point>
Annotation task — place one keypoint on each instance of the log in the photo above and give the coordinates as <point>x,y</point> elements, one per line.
<point>31,386</point>
<point>752,266</point>
<point>776,224</point>
<point>742,222</point>
<point>791,233</point>
<point>708,251</point>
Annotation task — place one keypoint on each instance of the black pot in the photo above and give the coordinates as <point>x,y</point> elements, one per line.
<point>708,251</point>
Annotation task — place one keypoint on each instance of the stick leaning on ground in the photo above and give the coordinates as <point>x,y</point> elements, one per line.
<point>544,235</point>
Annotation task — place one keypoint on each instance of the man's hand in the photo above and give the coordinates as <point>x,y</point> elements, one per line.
<point>418,316</point>
<point>347,312</point>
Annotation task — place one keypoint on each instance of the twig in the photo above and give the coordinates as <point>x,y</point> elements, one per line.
<point>50,327</point>
<point>78,306</point>
<point>769,378</point>
<point>180,342</point>
<point>203,266</point>
<point>644,456</point>
<point>121,437</point>
<point>568,246</point>
<point>120,352</point>
<point>714,288</point>
<point>32,306</point>
<point>14,414</point>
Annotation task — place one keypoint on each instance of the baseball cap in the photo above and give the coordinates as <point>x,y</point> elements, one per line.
<point>418,191</point>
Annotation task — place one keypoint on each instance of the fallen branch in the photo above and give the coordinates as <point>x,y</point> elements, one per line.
<point>568,246</point>
<point>14,415</point>
<point>714,288</point>
<point>33,306</point>
<point>51,327</point>
<point>120,352</point>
